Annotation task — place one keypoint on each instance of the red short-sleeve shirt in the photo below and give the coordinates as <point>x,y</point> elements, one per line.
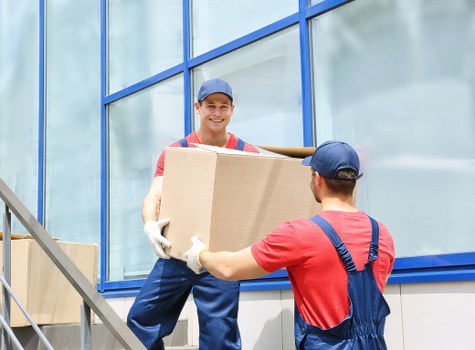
<point>318,276</point>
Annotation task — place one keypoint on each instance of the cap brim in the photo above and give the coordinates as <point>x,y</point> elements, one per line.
<point>306,161</point>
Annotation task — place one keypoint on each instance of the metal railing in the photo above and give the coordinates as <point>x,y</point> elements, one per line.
<point>91,297</point>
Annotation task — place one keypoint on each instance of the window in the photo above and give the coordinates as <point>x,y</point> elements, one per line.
<point>217,22</point>
<point>145,38</point>
<point>265,78</point>
<point>140,127</point>
<point>19,61</point>
<point>397,82</point>
<point>73,123</point>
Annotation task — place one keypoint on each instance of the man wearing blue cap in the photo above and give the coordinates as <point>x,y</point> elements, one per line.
<point>338,261</point>
<point>157,307</point>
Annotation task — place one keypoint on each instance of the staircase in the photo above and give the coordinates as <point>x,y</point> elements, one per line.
<point>92,299</point>
<point>67,336</point>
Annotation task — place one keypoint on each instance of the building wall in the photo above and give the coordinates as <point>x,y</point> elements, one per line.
<point>396,79</point>
<point>92,91</point>
<point>424,316</point>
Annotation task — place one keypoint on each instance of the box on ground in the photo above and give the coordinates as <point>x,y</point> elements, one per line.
<point>41,287</point>
<point>230,199</point>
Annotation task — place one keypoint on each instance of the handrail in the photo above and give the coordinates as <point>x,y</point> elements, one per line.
<point>7,273</point>
<point>9,330</point>
<point>27,315</point>
<point>86,290</point>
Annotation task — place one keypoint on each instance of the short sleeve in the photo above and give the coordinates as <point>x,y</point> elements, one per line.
<point>160,165</point>
<point>279,249</point>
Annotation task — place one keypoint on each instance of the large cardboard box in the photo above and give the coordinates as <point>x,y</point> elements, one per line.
<point>230,199</point>
<point>41,287</point>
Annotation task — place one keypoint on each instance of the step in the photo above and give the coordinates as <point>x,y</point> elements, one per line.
<point>68,337</point>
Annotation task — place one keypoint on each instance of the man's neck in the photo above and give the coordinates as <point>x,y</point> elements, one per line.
<point>339,204</point>
<point>219,140</point>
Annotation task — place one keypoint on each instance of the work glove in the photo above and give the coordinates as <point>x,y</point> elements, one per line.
<point>193,255</point>
<point>153,230</point>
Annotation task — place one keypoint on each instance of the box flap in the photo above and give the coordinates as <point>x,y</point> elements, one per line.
<point>15,236</point>
<point>222,150</point>
<point>294,152</point>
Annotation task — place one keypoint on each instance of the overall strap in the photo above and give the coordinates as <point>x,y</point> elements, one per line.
<point>374,246</point>
<point>337,242</point>
<point>240,145</point>
<point>183,142</point>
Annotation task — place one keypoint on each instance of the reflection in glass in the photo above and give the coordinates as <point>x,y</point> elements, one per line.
<point>314,2</point>
<point>145,38</point>
<point>265,77</point>
<point>140,127</point>
<point>398,83</point>
<point>216,22</point>
<point>73,123</point>
<point>19,104</point>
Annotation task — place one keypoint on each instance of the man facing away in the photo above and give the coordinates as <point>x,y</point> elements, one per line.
<point>157,307</point>
<point>338,261</point>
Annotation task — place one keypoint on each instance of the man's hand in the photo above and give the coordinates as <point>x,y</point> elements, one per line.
<point>153,230</point>
<point>193,255</point>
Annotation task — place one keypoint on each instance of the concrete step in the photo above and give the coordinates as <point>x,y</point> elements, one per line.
<point>68,337</point>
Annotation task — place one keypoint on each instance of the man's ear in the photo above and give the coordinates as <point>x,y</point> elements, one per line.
<point>318,179</point>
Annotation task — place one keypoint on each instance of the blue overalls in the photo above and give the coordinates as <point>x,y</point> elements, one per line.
<point>158,305</point>
<point>363,328</point>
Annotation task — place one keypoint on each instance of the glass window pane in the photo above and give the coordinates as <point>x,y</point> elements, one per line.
<point>140,127</point>
<point>216,22</point>
<point>19,103</point>
<point>145,38</point>
<point>73,123</point>
<point>265,78</point>
<point>314,2</point>
<point>398,83</point>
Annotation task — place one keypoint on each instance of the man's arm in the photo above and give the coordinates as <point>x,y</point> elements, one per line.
<point>225,265</point>
<point>151,202</point>
<point>232,265</point>
<point>150,211</point>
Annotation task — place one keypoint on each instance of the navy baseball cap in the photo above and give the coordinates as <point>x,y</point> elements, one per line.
<point>332,156</point>
<point>214,86</point>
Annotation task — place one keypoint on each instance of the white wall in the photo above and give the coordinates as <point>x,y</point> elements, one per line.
<point>432,316</point>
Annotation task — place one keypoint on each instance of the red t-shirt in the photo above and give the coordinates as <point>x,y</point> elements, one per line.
<point>317,274</point>
<point>193,138</point>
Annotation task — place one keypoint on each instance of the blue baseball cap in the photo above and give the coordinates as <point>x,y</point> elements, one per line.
<point>214,86</point>
<point>333,156</point>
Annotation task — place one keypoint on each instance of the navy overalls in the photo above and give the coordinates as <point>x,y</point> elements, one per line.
<point>158,305</point>
<point>363,328</point>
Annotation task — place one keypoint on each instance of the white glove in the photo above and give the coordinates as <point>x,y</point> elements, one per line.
<point>153,230</point>
<point>193,255</point>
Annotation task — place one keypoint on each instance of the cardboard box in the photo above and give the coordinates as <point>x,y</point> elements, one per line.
<point>230,199</point>
<point>41,287</point>
<point>295,152</point>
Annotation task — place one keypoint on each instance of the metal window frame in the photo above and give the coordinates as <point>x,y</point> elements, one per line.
<point>434,268</point>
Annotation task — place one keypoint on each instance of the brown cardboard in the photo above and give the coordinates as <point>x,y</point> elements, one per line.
<point>41,287</point>
<point>20,236</point>
<point>230,199</point>
<point>295,152</point>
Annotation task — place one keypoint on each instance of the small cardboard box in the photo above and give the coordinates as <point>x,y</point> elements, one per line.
<point>230,199</point>
<point>41,287</point>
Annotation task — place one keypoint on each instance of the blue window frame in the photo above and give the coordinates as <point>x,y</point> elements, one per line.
<point>434,268</point>
<point>41,109</point>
